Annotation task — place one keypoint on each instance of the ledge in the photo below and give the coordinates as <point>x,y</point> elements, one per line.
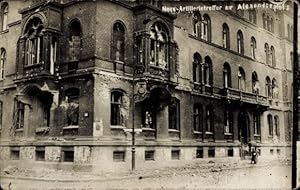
<point>148,129</point>
<point>209,133</point>
<point>117,127</point>
<point>228,134</point>
<point>19,130</point>
<point>4,31</point>
<point>71,127</point>
<point>173,131</point>
<point>42,129</point>
<point>198,132</point>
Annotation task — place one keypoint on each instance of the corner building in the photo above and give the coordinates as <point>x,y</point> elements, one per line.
<point>77,76</point>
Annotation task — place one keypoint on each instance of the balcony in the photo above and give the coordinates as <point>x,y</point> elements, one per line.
<point>246,97</point>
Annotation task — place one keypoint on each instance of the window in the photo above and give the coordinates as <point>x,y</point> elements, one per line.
<point>68,154</point>
<point>211,152</point>
<point>271,25</point>
<point>252,16</point>
<point>72,98</point>
<point>198,117</point>
<point>34,41</point>
<point>267,53</point>
<point>207,71</point>
<point>119,156</point>
<point>275,90</point>
<point>205,28</point>
<point>255,83</point>
<point>240,12</point>
<point>148,117</point>
<point>228,122</point>
<point>270,124</point>
<point>53,54</point>
<point>256,124</point>
<point>158,46</point>
<point>268,88</point>
<point>240,43</point>
<point>2,63</point>
<point>116,104</point>
<point>149,155</point>
<point>40,153</point>
<point>226,36</point>
<point>175,154</point>
<point>290,31</point>
<point>18,120</point>
<point>4,16</point>
<point>230,152</point>
<point>118,49</point>
<point>75,40</point>
<point>46,115</point>
<point>227,75</point>
<point>276,124</point>
<point>265,21</point>
<point>268,22</point>
<point>241,79</point>
<point>199,152</point>
<point>197,68</point>
<point>197,24</point>
<point>14,153</point>
<point>174,114</point>
<point>272,57</point>
<point>209,119</point>
<point>253,47</point>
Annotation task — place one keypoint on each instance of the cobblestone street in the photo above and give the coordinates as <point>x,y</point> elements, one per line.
<point>235,175</point>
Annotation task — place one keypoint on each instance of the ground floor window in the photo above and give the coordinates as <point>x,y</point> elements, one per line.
<point>174,115</point>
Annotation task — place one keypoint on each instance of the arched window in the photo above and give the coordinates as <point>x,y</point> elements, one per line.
<point>271,25</point>
<point>227,75</point>
<point>268,23</point>
<point>205,28</point>
<point>228,122</point>
<point>255,83</point>
<point>2,63</point>
<point>4,16</point>
<point>267,53</point>
<point>272,57</point>
<point>207,71</point>
<point>241,79</point>
<point>226,36</point>
<point>118,45</point>
<point>252,47</point>
<point>75,40</point>
<point>268,88</point>
<point>72,99</point>
<point>158,45</point>
<point>256,124</point>
<point>275,90</point>
<point>197,24</point>
<point>34,41</point>
<point>116,104</point>
<point>270,124</point>
<point>197,68</point>
<point>276,123</point>
<point>209,120</point>
<point>198,117</point>
<point>240,42</point>
<point>174,114</point>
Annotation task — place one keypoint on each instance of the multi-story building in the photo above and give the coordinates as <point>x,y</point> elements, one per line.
<point>77,76</point>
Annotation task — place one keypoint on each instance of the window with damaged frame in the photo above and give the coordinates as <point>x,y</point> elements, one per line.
<point>4,16</point>
<point>40,153</point>
<point>18,117</point>
<point>209,119</point>
<point>148,116</point>
<point>198,119</point>
<point>199,152</point>
<point>75,40</point>
<point>72,102</point>
<point>2,63</point>
<point>118,43</point>
<point>68,154</point>
<point>174,114</point>
<point>228,123</point>
<point>14,153</point>
<point>116,105</point>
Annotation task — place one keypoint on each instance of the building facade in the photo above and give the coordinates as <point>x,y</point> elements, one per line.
<point>78,76</point>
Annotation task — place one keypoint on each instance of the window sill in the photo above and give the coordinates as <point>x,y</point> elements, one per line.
<point>42,129</point>
<point>158,67</point>
<point>228,134</point>
<point>209,133</point>
<point>19,130</point>
<point>120,62</point>
<point>270,137</point>
<point>147,129</point>
<point>256,135</point>
<point>117,127</point>
<point>71,127</point>
<point>33,65</point>
<point>198,132</point>
<point>173,131</point>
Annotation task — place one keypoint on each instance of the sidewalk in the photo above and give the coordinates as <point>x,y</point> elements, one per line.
<point>199,167</point>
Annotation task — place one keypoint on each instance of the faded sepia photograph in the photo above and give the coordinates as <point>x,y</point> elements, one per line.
<point>149,94</point>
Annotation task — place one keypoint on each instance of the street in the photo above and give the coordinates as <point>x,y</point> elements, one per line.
<point>266,176</point>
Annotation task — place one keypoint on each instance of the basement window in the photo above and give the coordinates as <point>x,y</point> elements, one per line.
<point>119,156</point>
<point>230,152</point>
<point>40,153</point>
<point>211,152</point>
<point>149,155</point>
<point>15,153</point>
<point>199,152</point>
<point>68,154</point>
<point>271,151</point>
<point>175,154</point>
<point>278,151</point>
